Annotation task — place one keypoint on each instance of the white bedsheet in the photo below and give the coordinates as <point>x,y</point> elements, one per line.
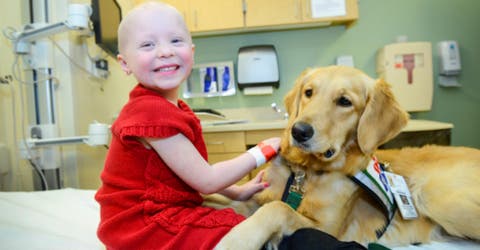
<point>56,219</point>
<point>68,219</point>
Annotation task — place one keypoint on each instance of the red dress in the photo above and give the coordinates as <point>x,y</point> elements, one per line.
<point>144,205</point>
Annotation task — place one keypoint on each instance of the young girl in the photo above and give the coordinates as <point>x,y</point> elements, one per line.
<point>156,166</point>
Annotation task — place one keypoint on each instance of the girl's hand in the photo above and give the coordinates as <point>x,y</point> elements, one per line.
<point>247,190</point>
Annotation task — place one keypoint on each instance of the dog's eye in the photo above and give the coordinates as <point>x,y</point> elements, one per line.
<point>344,102</point>
<point>308,92</point>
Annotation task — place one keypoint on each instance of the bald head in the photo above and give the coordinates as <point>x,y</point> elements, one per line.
<point>140,16</point>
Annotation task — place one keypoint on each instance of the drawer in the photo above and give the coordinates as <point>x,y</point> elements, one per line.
<point>225,142</point>
<point>218,157</point>
<point>253,137</point>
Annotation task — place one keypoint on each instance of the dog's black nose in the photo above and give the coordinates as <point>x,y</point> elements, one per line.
<point>302,131</point>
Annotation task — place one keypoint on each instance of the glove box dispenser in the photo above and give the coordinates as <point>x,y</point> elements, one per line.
<point>210,79</point>
<point>257,66</point>
<point>407,67</point>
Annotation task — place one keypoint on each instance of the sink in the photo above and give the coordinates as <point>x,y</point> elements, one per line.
<point>239,116</point>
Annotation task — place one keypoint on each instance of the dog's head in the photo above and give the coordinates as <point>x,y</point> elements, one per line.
<point>336,113</point>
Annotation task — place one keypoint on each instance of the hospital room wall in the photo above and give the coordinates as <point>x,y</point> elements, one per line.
<point>426,20</point>
<point>379,24</point>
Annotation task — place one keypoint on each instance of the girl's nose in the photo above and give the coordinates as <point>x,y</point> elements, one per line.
<point>164,51</point>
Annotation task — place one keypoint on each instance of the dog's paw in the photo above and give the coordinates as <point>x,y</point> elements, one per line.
<point>230,242</point>
<point>238,239</point>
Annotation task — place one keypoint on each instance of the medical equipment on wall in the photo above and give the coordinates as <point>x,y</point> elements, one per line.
<point>450,65</point>
<point>34,47</point>
<point>407,67</point>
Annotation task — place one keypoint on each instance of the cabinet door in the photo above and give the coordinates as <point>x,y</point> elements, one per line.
<point>216,15</point>
<point>272,12</point>
<point>180,5</point>
<point>351,7</point>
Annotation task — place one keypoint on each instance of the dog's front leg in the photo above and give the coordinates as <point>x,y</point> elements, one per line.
<point>270,222</point>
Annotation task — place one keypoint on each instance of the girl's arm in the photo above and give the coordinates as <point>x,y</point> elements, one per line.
<point>247,190</point>
<point>184,159</point>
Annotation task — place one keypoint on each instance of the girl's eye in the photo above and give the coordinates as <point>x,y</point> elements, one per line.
<point>147,45</point>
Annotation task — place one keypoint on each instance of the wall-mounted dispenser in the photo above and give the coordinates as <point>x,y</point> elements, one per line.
<point>210,79</point>
<point>407,66</point>
<point>257,69</point>
<point>450,66</point>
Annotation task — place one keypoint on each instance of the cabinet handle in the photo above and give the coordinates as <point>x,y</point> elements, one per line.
<point>215,142</point>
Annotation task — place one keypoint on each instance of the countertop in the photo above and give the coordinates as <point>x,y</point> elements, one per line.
<point>246,125</point>
<point>265,118</point>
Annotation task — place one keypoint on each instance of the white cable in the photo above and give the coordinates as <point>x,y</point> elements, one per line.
<point>85,70</point>
<point>22,125</point>
<point>19,174</point>
<point>16,74</point>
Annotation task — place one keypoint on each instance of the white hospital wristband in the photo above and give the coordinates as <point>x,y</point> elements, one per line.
<point>256,152</point>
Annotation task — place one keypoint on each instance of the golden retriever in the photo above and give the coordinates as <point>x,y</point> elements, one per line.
<point>338,117</point>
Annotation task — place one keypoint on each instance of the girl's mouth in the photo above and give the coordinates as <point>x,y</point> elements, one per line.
<point>166,69</point>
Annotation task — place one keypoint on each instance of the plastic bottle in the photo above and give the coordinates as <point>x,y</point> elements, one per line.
<point>207,81</point>
<point>226,78</point>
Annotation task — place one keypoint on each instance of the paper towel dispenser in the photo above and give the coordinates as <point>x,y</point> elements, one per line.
<point>257,66</point>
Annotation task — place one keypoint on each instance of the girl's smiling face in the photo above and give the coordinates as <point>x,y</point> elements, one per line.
<point>157,49</point>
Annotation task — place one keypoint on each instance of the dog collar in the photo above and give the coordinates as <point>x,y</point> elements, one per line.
<point>373,180</point>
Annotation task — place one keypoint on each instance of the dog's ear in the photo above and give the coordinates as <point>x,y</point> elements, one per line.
<point>292,98</point>
<point>382,119</point>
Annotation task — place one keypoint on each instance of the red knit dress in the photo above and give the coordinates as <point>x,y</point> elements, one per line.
<point>143,204</point>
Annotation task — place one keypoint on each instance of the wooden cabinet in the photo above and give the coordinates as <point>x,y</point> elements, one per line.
<point>182,7</point>
<point>264,13</point>
<point>215,15</point>
<point>293,13</point>
<point>351,7</point>
<point>205,17</point>
<point>420,138</point>
<point>224,145</point>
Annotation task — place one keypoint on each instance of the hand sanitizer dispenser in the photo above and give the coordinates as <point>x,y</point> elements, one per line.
<point>449,58</point>
<point>450,66</point>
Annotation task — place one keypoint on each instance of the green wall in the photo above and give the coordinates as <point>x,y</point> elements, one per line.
<point>380,22</point>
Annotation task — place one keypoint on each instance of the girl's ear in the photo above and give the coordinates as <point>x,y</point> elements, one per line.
<point>123,64</point>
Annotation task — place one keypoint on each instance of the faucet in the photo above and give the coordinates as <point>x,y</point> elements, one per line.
<point>279,110</point>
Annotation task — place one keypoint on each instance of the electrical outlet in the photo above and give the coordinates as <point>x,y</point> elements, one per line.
<point>101,64</point>
<point>101,69</point>
<point>6,79</point>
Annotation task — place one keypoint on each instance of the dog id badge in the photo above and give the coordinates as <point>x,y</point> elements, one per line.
<point>295,191</point>
<point>402,196</point>
<point>294,199</point>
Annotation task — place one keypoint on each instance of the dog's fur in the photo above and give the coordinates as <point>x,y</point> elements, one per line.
<point>444,181</point>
